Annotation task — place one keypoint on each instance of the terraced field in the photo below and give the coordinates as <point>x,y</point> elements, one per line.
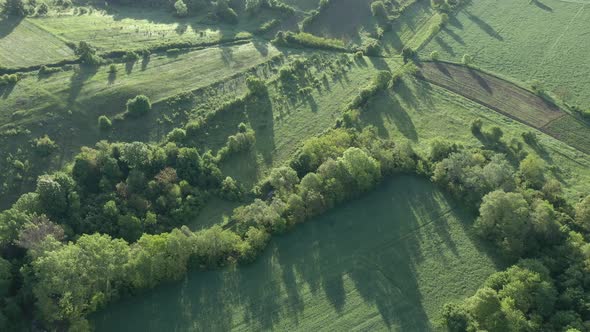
<point>386,261</point>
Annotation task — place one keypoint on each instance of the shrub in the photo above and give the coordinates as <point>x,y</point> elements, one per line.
<point>378,9</point>
<point>87,54</point>
<point>476,127</point>
<point>44,70</point>
<point>112,69</point>
<point>181,8</point>
<point>256,86</point>
<point>308,40</point>
<point>267,26</point>
<point>42,9</point>
<point>408,53</point>
<point>130,56</point>
<point>140,105</point>
<point>225,12</point>
<point>434,55</point>
<point>104,123</point>
<point>467,59</point>
<point>8,79</point>
<point>45,146</point>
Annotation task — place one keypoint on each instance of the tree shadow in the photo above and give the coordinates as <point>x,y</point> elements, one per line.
<point>542,6</point>
<point>260,115</point>
<point>129,67</point>
<point>453,35</point>
<point>81,74</point>
<point>444,46</point>
<point>6,90</point>
<point>8,24</point>
<point>145,60</point>
<point>483,83</point>
<point>368,255</point>
<point>485,26</point>
<point>112,77</point>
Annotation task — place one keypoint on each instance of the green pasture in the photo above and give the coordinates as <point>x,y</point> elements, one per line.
<point>386,261</point>
<point>540,40</point>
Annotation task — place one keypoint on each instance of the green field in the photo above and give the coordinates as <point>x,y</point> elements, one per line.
<point>23,44</point>
<point>386,261</point>
<point>418,111</point>
<point>524,40</point>
<point>123,28</point>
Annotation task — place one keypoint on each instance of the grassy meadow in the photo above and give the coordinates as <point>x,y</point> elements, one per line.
<point>418,111</point>
<point>525,41</point>
<point>23,44</point>
<point>386,261</point>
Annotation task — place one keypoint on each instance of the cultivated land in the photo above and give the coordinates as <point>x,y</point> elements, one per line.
<point>525,41</point>
<point>388,260</point>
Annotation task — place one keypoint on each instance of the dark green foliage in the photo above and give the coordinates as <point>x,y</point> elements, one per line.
<point>104,123</point>
<point>379,10</point>
<point>42,9</point>
<point>256,86</point>
<point>380,82</point>
<point>225,13</point>
<point>87,54</point>
<point>130,56</point>
<point>45,146</point>
<point>16,7</point>
<point>139,105</point>
<point>408,54</point>
<point>8,79</point>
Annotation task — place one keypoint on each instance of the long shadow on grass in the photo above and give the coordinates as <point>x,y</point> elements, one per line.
<point>368,256</point>
<point>8,24</point>
<point>260,115</point>
<point>77,80</point>
<point>485,26</point>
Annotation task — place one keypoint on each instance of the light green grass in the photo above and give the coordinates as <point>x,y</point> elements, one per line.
<point>524,40</point>
<point>130,28</point>
<point>387,261</point>
<point>23,44</point>
<point>44,104</point>
<point>418,111</point>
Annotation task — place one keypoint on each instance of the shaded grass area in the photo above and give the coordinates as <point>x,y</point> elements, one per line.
<point>418,111</point>
<point>388,260</point>
<point>23,44</point>
<point>539,40</point>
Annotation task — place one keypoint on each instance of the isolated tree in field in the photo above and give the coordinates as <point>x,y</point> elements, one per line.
<point>140,105</point>
<point>181,8</point>
<point>583,213</point>
<point>467,59</point>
